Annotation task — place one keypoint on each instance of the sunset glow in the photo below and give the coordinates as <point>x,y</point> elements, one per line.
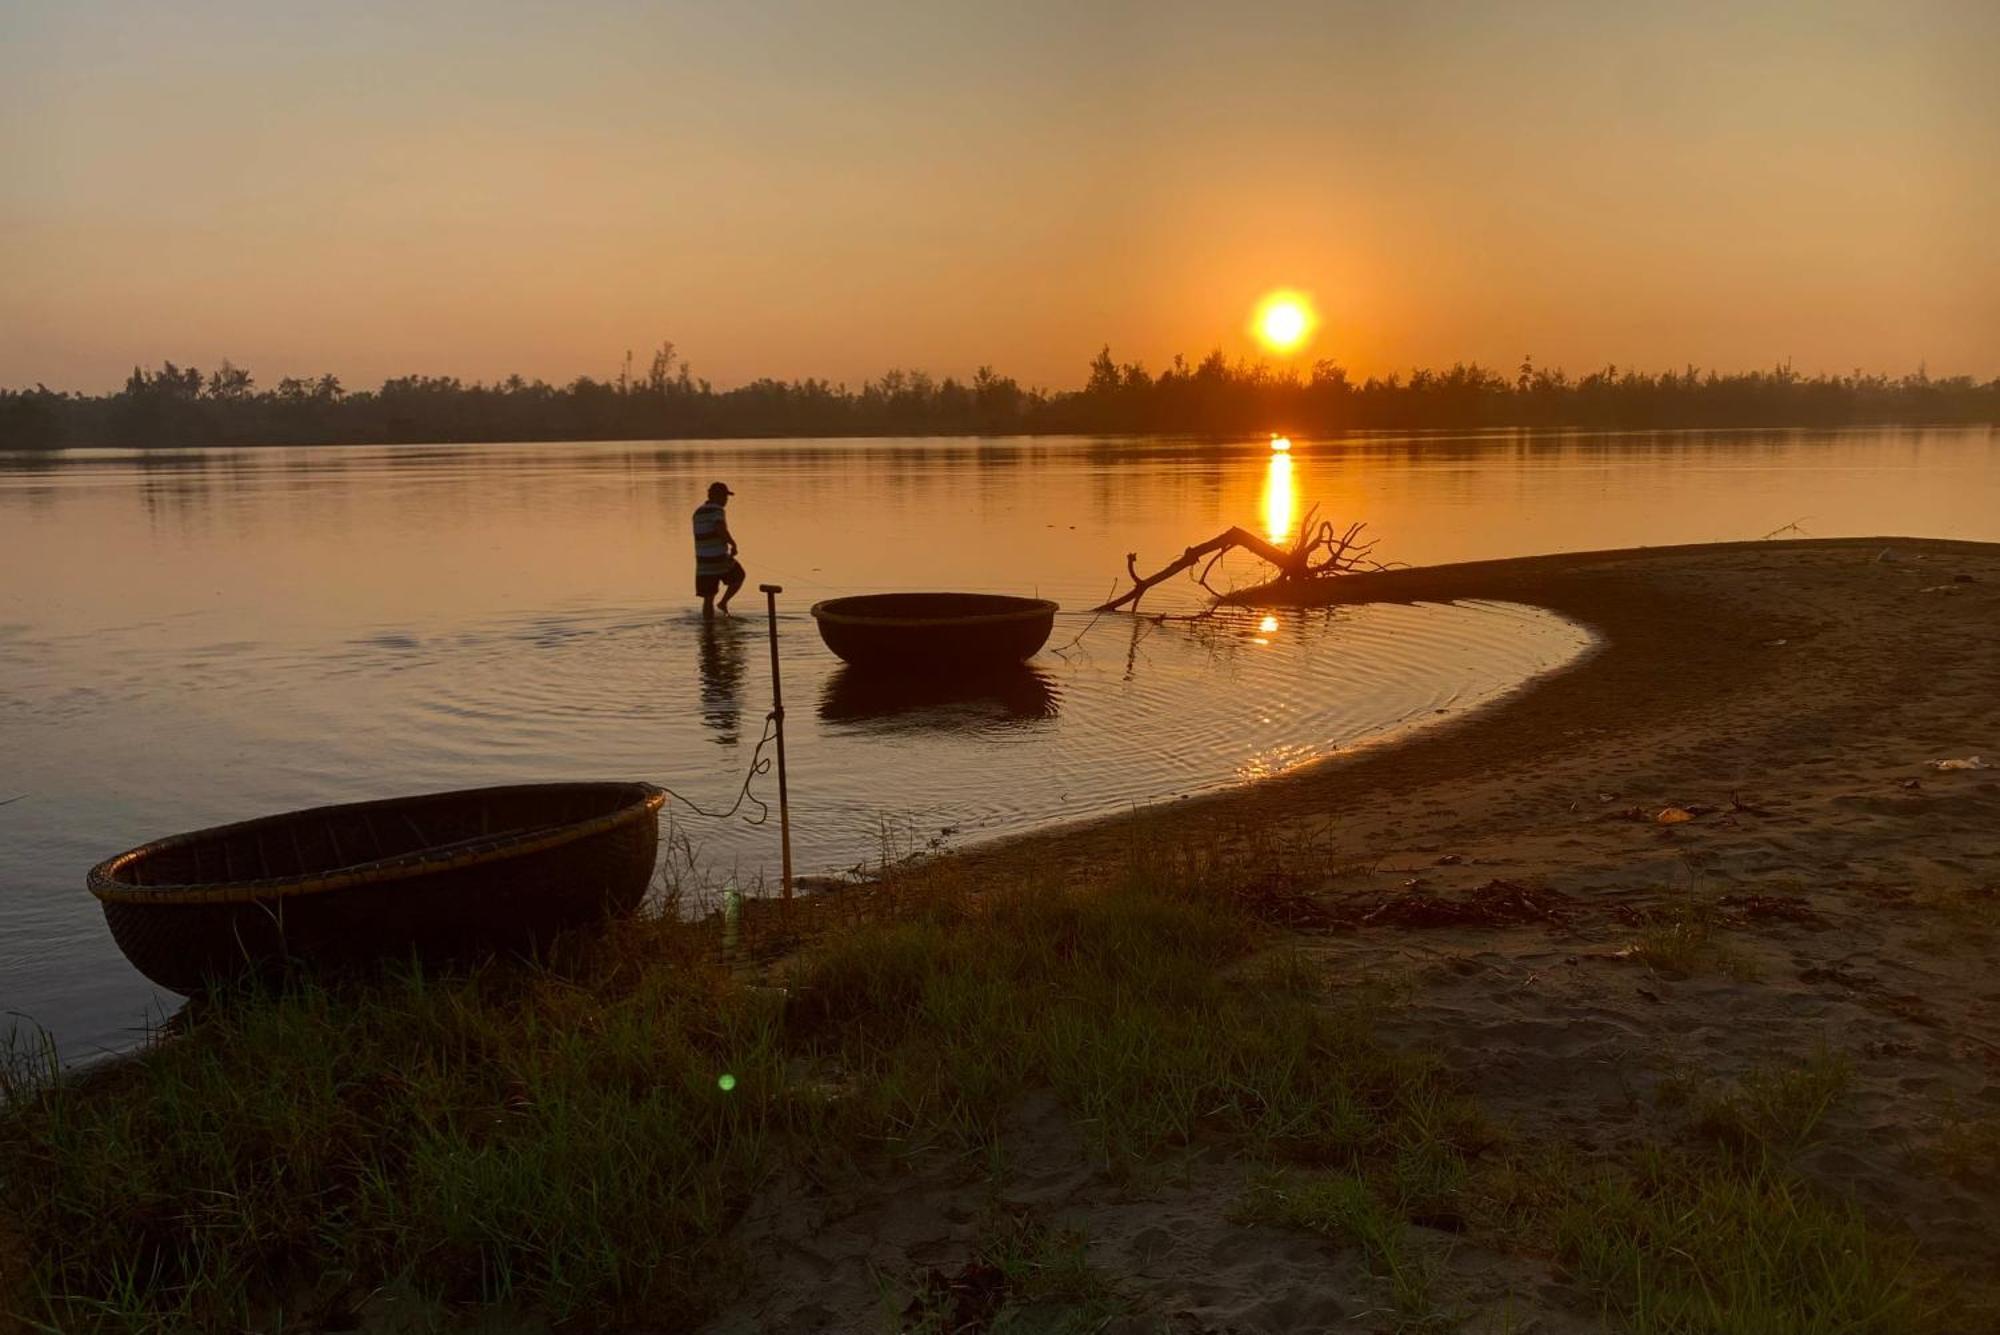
<point>485,218</point>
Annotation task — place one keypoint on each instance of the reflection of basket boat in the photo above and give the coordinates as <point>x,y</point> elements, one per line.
<point>440,875</point>
<point>1014,694</point>
<point>932,632</point>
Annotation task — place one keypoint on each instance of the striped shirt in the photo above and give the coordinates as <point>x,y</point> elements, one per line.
<point>711,548</point>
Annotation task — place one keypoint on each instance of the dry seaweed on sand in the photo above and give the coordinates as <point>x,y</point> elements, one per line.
<point>1751,908</point>
<point>1497,903</point>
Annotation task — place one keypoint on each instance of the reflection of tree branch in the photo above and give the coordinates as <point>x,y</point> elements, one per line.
<point>1162,618</point>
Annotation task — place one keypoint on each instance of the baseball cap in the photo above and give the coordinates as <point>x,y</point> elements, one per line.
<point>718,489</point>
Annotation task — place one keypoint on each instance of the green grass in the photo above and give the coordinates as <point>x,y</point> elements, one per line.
<point>556,1139</point>
<point>1688,938</point>
<point>1721,1233</point>
<point>1027,1278</point>
<point>1120,1003</point>
<point>1353,1211</point>
<point>1676,1243</point>
<point>1967,1148</point>
<point>1718,1235</point>
<point>1774,1111</point>
<point>559,1141</point>
<point>516,1135</point>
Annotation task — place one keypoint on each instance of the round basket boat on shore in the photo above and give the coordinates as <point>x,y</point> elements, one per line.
<point>934,632</point>
<point>441,876</point>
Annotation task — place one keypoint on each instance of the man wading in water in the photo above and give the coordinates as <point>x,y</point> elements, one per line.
<point>715,563</point>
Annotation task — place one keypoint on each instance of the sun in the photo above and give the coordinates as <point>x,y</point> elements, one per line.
<point>1283,321</point>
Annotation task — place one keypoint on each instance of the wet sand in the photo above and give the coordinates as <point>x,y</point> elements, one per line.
<point>1790,696</point>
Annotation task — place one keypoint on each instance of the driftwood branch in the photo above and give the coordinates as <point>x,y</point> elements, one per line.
<point>1321,552</point>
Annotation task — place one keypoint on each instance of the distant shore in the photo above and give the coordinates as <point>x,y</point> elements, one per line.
<point>180,406</point>
<point>23,443</point>
<point>1416,435</point>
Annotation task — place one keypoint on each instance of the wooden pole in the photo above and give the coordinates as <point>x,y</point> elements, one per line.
<point>771,592</point>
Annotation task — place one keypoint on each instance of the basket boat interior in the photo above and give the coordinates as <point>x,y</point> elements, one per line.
<point>312,843</point>
<point>930,608</point>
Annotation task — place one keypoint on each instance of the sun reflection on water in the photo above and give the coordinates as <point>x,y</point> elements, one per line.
<point>1280,499</point>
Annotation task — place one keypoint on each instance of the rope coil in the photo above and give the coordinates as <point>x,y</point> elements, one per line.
<point>758,765</point>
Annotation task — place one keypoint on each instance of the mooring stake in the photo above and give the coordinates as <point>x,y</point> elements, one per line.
<point>771,592</point>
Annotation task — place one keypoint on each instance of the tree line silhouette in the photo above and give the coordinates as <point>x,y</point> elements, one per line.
<point>180,406</point>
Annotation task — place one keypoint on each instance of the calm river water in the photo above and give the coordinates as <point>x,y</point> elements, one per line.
<point>194,637</point>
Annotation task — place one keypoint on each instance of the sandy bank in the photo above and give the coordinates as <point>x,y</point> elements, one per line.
<point>1720,665</point>
<point>1593,971</point>
<point>1792,696</point>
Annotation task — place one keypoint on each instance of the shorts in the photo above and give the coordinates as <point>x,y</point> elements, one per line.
<point>706,585</point>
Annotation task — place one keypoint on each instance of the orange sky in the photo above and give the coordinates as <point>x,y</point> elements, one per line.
<point>474,189</point>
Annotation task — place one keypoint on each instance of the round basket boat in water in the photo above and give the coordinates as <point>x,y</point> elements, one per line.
<point>440,876</point>
<point>934,632</point>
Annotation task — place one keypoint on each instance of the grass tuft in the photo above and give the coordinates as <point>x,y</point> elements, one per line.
<point>1775,1111</point>
<point>1350,1210</point>
<point>1675,1244</point>
<point>1688,938</point>
<point>1968,1148</point>
<point>1026,1277</point>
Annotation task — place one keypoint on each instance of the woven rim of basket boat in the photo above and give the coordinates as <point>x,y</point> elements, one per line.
<point>422,862</point>
<point>1028,607</point>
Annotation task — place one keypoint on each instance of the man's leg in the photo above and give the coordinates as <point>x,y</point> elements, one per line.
<point>708,607</point>
<point>735,581</point>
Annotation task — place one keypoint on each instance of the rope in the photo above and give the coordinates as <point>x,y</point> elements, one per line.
<point>792,577</point>
<point>758,765</point>
<point>1063,652</point>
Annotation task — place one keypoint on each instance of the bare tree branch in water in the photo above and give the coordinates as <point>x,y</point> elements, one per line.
<point>1320,552</point>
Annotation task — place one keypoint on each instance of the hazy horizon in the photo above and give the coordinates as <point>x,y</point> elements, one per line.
<point>480,190</point>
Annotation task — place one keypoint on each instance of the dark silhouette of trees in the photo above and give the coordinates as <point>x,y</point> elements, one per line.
<point>229,383</point>
<point>179,406</point>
